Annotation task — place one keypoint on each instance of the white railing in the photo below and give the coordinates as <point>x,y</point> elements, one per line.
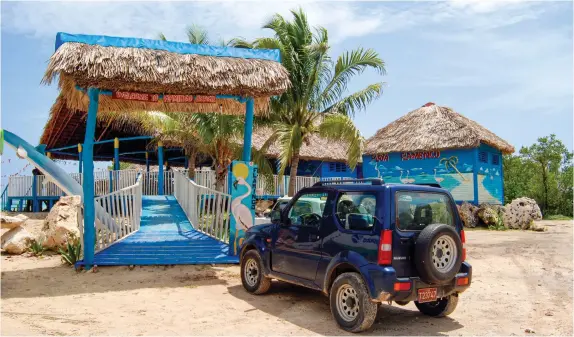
<point>150,183</point>
<point>118,214</point>
<point>208,210</point>
<point>20,185</point>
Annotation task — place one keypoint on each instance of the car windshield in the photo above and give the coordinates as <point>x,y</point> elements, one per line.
<point>416,210</point>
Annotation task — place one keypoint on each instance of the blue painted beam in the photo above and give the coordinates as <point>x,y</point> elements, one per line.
<point>169,46</point>
<point>248,129</point>
<point>101,142</point>
<point>88,182</point>
<point>240,99</point>
<point>80,158</point>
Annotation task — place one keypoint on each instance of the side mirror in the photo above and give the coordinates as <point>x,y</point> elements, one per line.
<point>275,216</point>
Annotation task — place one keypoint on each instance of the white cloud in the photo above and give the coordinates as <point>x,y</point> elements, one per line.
<point>145,19</point>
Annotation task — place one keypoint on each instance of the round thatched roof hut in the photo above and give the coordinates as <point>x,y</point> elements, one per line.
<point>436,145</point>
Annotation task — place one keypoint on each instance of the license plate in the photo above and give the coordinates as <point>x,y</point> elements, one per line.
<point>427,295</point>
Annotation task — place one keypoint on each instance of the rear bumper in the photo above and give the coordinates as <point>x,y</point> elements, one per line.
<point>381,282</point>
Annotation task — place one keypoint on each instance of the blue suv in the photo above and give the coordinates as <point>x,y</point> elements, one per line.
<point>369,243</point>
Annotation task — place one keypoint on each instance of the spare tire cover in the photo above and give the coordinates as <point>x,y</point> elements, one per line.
<point>438,253</point>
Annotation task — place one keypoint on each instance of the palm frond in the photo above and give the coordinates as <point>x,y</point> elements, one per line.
<point>341,128</point>
<point>197,35</point>
<point>357,101</point>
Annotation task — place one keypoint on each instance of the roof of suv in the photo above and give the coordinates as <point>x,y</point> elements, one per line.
<point>368,186</point>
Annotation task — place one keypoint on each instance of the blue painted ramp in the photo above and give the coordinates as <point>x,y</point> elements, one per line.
<point>165,237</point>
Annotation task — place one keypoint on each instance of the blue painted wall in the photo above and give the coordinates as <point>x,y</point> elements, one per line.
<point>454,170</point>
<point>315,168</point>
<point>489,175</point>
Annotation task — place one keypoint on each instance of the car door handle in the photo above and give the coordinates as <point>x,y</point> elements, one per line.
<point>405,239</point>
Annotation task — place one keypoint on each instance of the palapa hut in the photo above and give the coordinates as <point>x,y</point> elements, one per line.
<point>435,144</point>
<point>320,157</point>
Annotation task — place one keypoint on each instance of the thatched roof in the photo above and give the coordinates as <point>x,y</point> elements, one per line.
<point>66,127</point>
<point>163,67</point>
<point>318,149</point>
<point>433,127</point>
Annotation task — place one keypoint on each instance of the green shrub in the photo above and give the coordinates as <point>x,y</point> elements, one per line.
<point>557,217</point>
<point>499,225</point>
<point>73,251</point>
<point>37,247</point>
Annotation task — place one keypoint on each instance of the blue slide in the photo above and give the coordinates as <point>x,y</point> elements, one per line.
<point>56,174</point>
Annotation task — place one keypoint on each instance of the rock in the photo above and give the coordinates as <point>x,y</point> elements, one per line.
<point>62,222</point>
<point>13,221</point>
<point>521,213</point>
<point>529,331</point>
<point>16,240</point>
<point>538,227</point>
<point>488,214</point>
<point>262,205</point>
<point>468,214</point>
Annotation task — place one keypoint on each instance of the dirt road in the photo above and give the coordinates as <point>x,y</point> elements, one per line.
<point>522,280</point>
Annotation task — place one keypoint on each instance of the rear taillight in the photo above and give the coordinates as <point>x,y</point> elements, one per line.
<point>463,240</point>
<point>386,248</point>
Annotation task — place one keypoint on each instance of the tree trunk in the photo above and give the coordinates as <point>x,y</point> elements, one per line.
<point>293,173</point>
<point>191,164</point>
<point>220,176</point>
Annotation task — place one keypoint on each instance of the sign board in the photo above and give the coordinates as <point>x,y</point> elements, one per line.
<point>167,98</point>
<point>243,184</point>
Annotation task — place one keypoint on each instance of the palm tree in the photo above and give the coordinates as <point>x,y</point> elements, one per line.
<point>213,134</point>
<point>198,35</point>
<point>317,102</point>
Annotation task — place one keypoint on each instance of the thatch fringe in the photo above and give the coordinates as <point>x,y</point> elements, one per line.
<point>158,71</point>
<point>318,148</point>
<point>78,100</point>
<point>433,127</point>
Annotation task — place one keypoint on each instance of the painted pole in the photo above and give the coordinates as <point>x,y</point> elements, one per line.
<point>80,159</point>
<point>116,154</point>
<point>160,164</point>
<point>248,130</point>
<point>34,193</point>
<point>88,183</point>
<point>147,162</point>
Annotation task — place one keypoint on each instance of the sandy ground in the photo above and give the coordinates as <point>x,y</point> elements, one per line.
<point>522,280</point>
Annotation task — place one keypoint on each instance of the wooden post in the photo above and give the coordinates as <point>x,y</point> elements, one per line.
<point>248,129</point>
<point>116,154</point>
<point>80,163</point>
<point>160,165</point>
<point>88,181</point>
<point>147,162</point>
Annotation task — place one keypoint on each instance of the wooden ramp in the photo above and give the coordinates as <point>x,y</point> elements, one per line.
<point>165,237</point>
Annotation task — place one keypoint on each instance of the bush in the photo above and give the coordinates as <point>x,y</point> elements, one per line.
<point>557,217</point>
<point>73,251</point>
<point>37,247</point>
<point>499,224</point>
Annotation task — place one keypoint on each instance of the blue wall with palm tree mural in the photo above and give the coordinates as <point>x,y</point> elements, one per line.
<point>454,170</point>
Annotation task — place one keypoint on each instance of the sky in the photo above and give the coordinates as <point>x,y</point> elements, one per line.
<point>506,65</point>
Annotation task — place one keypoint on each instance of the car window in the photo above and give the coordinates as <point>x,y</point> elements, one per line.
<point>356,210</point>
<point>307,210</point>
<point>416,210</point>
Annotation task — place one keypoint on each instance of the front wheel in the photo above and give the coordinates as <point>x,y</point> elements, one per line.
<point>439,308</point>
<point>351,304</point>
<point>252,274</point>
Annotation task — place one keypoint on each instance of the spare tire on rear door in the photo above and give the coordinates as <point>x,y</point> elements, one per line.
<point>438,253</point>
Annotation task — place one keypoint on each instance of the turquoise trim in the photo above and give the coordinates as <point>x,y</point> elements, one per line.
<point>110,93</point>
<point>100,142</point>
<point>160,166</point>
<point>169,46</point>
<point>248,130</point>
<point>88,181</point>
<point>35,194</point>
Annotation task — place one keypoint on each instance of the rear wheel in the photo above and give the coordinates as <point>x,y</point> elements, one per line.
<point>252,276</point>
<point>439,308</point>
<point>351,304</point>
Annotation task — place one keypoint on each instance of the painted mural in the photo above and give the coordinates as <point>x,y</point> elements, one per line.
<point>489,175</point>
<point>244,177</point>
<point>451,169</point>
